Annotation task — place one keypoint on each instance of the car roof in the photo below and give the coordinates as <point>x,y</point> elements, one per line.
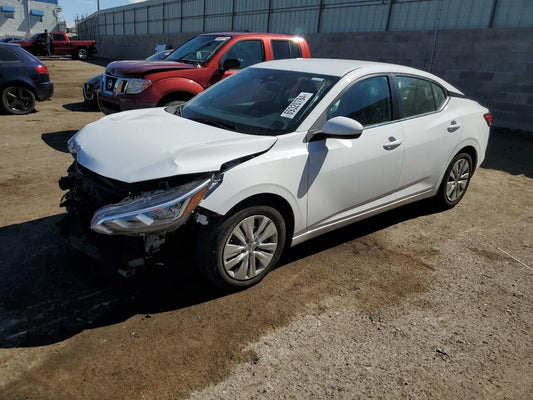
<point>339,67</point>
<point>263,34</point>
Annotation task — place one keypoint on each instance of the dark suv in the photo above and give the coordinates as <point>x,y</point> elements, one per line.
<point>23,80</point>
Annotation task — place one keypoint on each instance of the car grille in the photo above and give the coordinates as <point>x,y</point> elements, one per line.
<point>113,85</point>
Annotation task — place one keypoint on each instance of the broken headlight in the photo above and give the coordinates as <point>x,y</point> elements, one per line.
<point>158,211</point>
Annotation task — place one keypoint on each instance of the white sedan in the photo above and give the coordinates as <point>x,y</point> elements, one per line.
<point>272,156</point>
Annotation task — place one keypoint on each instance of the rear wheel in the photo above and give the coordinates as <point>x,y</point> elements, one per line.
<point>240,250</point>
<point>455,182</point>
<point>18,100</point>
<point>82,54</point>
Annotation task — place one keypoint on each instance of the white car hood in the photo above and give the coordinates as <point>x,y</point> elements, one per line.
<point>140,145</point>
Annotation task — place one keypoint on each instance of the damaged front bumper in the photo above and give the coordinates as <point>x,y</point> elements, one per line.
<point>106,217</point>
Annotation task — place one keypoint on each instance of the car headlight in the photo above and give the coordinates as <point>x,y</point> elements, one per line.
<point>137,86</point>
<point>161,211</point>
<point>73,146</point>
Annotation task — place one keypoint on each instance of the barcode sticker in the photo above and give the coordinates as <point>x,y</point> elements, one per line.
<point>296,105</point>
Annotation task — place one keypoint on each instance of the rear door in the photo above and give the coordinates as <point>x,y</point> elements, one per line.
<point>10,65</point>
<point>432,129</point>
<point>285,48</point>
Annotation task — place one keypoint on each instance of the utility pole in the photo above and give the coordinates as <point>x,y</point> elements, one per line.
<point>98,4</point>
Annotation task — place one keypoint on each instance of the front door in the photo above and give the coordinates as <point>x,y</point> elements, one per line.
<point>347,176</point>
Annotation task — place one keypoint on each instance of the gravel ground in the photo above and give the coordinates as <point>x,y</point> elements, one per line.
<point>409,304</point>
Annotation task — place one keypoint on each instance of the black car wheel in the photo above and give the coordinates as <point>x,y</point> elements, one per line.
<point>82,54</point>
<point>18,100</point>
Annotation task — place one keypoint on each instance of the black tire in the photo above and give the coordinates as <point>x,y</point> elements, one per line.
<point>18,100</point>
<point>81,54</point>
<point>231,263</point>
<point>455,181</point>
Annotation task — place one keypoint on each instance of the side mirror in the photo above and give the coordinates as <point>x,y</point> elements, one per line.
<point>342,128</point>
<point>230,63</point>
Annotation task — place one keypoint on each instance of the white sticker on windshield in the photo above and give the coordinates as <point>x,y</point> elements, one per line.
<point>295,106</point>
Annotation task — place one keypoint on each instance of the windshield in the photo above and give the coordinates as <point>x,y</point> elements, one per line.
<point>198,50</point>
<point>260,101</point>
<point>160,56</point>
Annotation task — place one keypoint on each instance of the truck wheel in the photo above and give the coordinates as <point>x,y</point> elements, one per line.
<point>18,100</point>
<point>238,251</point>
<point>81,54</point>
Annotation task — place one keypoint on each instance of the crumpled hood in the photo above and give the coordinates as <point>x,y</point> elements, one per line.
<point>140,145</point>
<point>137,68</point>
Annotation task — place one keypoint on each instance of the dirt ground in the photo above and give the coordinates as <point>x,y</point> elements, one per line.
<point>409,304</point>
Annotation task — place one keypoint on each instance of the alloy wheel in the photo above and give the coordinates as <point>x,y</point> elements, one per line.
<point>458,180</point>
<point>19,100</point>
<point>250,247</point>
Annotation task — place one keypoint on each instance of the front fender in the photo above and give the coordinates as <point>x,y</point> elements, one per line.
<point>168,86</point>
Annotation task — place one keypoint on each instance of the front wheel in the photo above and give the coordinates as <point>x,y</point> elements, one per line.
<point>455,182</point>
<point>240,250</point>
<point>18,100</point>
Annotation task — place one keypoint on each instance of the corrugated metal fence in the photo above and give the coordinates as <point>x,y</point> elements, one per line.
<point>305,16</point>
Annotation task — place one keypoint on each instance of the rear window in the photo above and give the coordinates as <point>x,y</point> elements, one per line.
<point>6,55</point>
<point>416,96</point>
<point>439,95</point>
<point>283,49</point>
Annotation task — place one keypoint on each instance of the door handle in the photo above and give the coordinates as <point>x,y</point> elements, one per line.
<point>392,144</point>
<point>453,126</point>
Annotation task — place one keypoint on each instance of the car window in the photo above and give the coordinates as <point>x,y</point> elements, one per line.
<point>59,37</point>
<point>199,50</point>
<point>439,95</point>
<point>368,102</point>
<point>416,96</point>
<point>263,101</point>
<point>7,55</point>
<point>248,52</point>
<point>283,49</point>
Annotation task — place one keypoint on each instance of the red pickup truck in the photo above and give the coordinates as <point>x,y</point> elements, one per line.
<point>61,44</point>
<point>196,65</point>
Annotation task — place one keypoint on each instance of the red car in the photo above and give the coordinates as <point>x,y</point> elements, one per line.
<point>61,45</point>
<point>193,67</point>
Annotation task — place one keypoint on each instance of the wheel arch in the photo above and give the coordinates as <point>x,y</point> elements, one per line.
<point>19,83</point>
<point>180,95</point>
<point>272,200</point>
<point>472,152</point>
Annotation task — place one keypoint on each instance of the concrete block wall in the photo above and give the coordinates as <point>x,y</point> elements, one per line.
<point>492,66</point>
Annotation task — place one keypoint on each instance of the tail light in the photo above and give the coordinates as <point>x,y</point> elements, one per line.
<point>41,69</point>
<point>488,118</point>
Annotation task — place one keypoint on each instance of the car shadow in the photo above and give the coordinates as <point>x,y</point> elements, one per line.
<point>50,292</point>
<point>360,229</point>
<point>510,151</point>
<point>58,140</point>
<point>81,107</point>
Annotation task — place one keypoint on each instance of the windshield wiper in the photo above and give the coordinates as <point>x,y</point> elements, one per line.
<point>215,123</point>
